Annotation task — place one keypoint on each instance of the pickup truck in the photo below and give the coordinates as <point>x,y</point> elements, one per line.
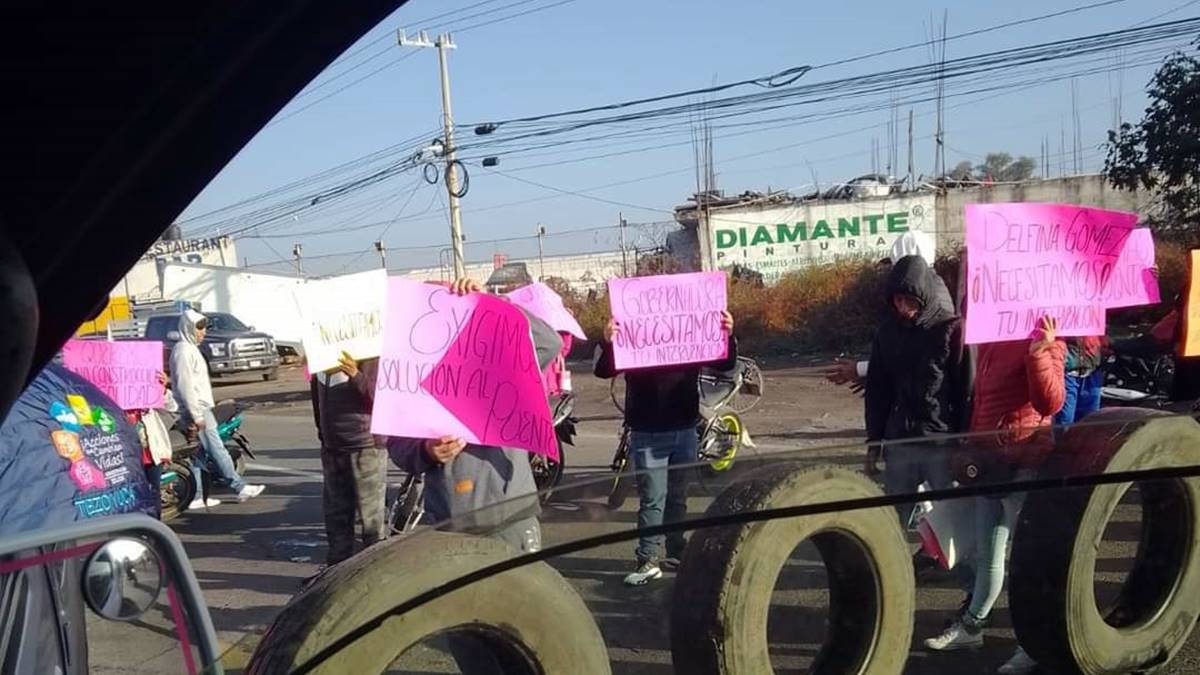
<point>230,347</point>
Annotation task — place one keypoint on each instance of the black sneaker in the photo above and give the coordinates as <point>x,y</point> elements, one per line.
<point>646,571</point>
<point>669,563</point>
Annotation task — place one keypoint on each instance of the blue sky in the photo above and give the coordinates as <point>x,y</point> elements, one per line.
<point>587,52</point>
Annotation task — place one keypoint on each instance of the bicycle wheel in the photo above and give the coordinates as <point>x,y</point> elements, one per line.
<point>723,441</point>
<point>619,491</point>
<point>751,389</point>
<point>616,390</point>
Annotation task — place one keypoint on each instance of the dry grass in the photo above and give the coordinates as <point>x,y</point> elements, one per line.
<point>834,307</point>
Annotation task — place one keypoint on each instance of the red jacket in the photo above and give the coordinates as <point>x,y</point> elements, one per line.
<point>1017,392</point>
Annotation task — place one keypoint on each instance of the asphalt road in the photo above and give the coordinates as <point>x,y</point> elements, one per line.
<point>250,558</point>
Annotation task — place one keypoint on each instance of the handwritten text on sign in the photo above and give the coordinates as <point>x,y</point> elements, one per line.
<point>1026,261</point>
<point>127,371</point>
<point>1133,281</point>
<point>460,366</point>
<point>668,319</point>
<point>342,314</point>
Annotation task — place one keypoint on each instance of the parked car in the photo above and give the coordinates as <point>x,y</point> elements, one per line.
<point>230,347</point>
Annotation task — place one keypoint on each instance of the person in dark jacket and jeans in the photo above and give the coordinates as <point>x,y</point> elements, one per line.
<point>353,462</point>
<point>911,390</point>
<point>662,409</point>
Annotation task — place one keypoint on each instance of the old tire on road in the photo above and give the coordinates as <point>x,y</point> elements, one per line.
<point>529,617</point>
<point>727,575</point>
<point>1053,574</point>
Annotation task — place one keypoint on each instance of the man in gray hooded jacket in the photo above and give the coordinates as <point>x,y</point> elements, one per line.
<point>484,489</point>
<point>193,391</point>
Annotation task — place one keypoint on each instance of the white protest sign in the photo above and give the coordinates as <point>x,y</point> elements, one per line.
<point>342,314</point>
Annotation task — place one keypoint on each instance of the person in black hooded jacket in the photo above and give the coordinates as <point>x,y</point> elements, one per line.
<point>912,390</point>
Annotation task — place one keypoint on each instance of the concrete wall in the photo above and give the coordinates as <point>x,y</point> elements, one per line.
<point>581,272</point>
<point>1090,190</point>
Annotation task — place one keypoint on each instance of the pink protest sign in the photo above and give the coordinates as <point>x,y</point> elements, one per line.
<point>459,366</point>
<point>668,319</point>
<point>127,370</point>
<point>1133,281</point>
<point>539,300</point>
<point>1026,261</point>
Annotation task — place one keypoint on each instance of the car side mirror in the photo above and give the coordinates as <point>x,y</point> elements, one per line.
<point>252,328</point>
<point>122,579</point>
<point>174,336</point>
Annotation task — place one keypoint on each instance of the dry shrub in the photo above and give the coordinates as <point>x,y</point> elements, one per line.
<point>831,306</point>
<point>836,306</point>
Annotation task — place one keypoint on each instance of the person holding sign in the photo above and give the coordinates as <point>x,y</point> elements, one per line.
<point>662,409</point>
<point>1018,389</point>
<point>353,462</point>
<point>193,391</point>
<point>483,489</point>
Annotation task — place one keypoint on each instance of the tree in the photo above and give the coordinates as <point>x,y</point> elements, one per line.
<point>962,171</point>
<point>1000,166</point>
<point>996,166</point>
<point>1161,153</point>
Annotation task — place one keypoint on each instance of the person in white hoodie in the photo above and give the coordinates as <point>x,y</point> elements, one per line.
<point>193,391</point>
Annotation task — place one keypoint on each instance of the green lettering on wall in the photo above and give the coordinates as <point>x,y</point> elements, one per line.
<point>761,236</point>
<point>726,238</point>
<point>873,222</point>
<point>787,234</point>
<point>821,229</point>
<point>897,222</point>
<point>849,226</point>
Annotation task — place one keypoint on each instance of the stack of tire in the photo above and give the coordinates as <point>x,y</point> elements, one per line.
<point>1052,579</point>
<point>728,573</point>
<point>396,595</point>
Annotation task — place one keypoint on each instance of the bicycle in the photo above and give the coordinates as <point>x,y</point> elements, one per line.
<point>720,435</point>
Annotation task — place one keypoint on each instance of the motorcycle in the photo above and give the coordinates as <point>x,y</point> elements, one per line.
<point>1137,372</point>
<point>720,431</point>
<point>409,506</point>
<point>177,486</point>
<point>547,473</point>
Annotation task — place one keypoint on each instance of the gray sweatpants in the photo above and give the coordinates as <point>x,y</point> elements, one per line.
<point>355,490</point>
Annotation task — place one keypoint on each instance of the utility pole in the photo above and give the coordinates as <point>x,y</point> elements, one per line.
<point>624,259</point>
<point>541,235</point>
<point>911,178</point>
<point>382,253</point>
<point>442,43</point>
<point>296,249</point>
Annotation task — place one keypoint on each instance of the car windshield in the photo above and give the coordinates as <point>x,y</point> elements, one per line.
<point>549,398</point>
<point>219,321</point>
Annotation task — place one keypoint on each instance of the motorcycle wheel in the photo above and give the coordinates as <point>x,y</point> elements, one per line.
<point>177,493</point>
<point>547,473</point>
<point>238,457</point>
<point>722,442</point>
<point>405,511</point>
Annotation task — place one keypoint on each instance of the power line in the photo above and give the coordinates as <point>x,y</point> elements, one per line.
<point>789,75</point>
<point>337,91</point>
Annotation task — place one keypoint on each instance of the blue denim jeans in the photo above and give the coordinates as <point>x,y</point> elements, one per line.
<point>662,486</point>
<point>212,446</point>
<point>1082,397</point>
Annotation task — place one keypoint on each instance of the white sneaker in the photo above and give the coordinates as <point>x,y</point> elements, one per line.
<point>250,492</point>
<point>954,638</point>
<point>200,503</point>
<point>1020,664</point>
<point>645,573</point>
